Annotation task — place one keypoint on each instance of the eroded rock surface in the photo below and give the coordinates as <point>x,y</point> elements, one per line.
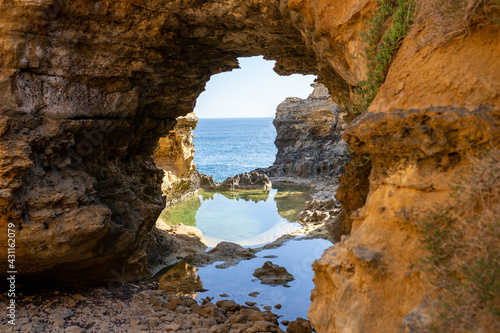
<point>244,181</point>
<point>87,89</point>
<point>418,147</point>
<point>309,137</point>
<point>133,308</point>
<point>175,156</point>
<point>230,253</point>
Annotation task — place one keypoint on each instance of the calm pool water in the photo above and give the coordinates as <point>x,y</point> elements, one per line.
<point>237,281</point>
<point>248,218</point>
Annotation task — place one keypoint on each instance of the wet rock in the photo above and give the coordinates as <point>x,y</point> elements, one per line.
<point>254,294</point>
<point>222,328</point>
<point>252,315</point>
<point>300,325</point>
<point>175,156</point>
<point>78,135</point>
<point>184,240</point>
<point>228,305</point>
<point>273,274</point>
<point>210,310</point>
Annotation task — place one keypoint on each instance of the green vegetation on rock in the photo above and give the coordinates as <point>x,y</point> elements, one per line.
<point>383,41</point>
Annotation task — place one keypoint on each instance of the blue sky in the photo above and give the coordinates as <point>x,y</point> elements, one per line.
<point>255,90</point>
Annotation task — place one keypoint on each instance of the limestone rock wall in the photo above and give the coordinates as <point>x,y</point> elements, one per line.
<point>86,91</point>
<point>309,137</point>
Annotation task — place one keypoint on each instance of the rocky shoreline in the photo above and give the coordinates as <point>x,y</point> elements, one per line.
<point>134,308</point>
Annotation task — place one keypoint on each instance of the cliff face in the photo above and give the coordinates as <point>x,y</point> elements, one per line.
<point>439,105</point>
<point>309,137</point>
<point>175,156</point>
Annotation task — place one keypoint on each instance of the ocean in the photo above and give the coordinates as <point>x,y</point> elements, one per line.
<point>229,146</point>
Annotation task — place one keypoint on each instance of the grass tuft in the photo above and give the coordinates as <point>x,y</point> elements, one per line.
<point>449,19</point>
<point>462,241</point>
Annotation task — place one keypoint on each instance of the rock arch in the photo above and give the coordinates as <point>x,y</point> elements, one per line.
<point>87,89</point>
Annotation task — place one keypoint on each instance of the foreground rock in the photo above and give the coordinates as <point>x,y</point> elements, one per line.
<point>132,308</point>
<point>419,133</point>
<point>273,274</point>
<point>300,325</point>
<point>244,181</point>
<point>309,137</point>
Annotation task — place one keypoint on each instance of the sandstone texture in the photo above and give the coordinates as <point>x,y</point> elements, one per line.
<point>309,137</point>
<point>175,156</point>
<point>87,90</point>
<point>438,106</point>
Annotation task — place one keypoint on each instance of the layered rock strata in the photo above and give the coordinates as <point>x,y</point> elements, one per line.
<point>175,156</point>
<point>309,137</point>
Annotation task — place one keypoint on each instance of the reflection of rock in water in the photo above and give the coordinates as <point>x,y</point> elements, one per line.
<point>181,279</point>
<point>247,195</point>
<point>184,212</point>
<point>290,200</point>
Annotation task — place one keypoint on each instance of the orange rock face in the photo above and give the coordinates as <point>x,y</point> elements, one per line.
<point>437,106</point>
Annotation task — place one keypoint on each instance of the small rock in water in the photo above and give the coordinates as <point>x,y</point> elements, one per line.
<point>285,322</point>
<point>273,274</point>
<point>277,306</point>
<point>250,303</point>
<point>268,308</point>
<point>254,294</point>
<point>224,295</point>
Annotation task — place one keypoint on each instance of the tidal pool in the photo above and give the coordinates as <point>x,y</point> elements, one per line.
<point>238,283</point>
<point>251,219</point>
<point>248,218</point>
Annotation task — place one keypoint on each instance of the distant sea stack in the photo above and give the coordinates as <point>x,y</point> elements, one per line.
<point>309,137</point>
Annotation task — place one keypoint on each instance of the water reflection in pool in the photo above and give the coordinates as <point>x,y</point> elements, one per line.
<point>248,218</point>
<point>237,281</point>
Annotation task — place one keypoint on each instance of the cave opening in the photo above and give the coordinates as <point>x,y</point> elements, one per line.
<point>232,132</point>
